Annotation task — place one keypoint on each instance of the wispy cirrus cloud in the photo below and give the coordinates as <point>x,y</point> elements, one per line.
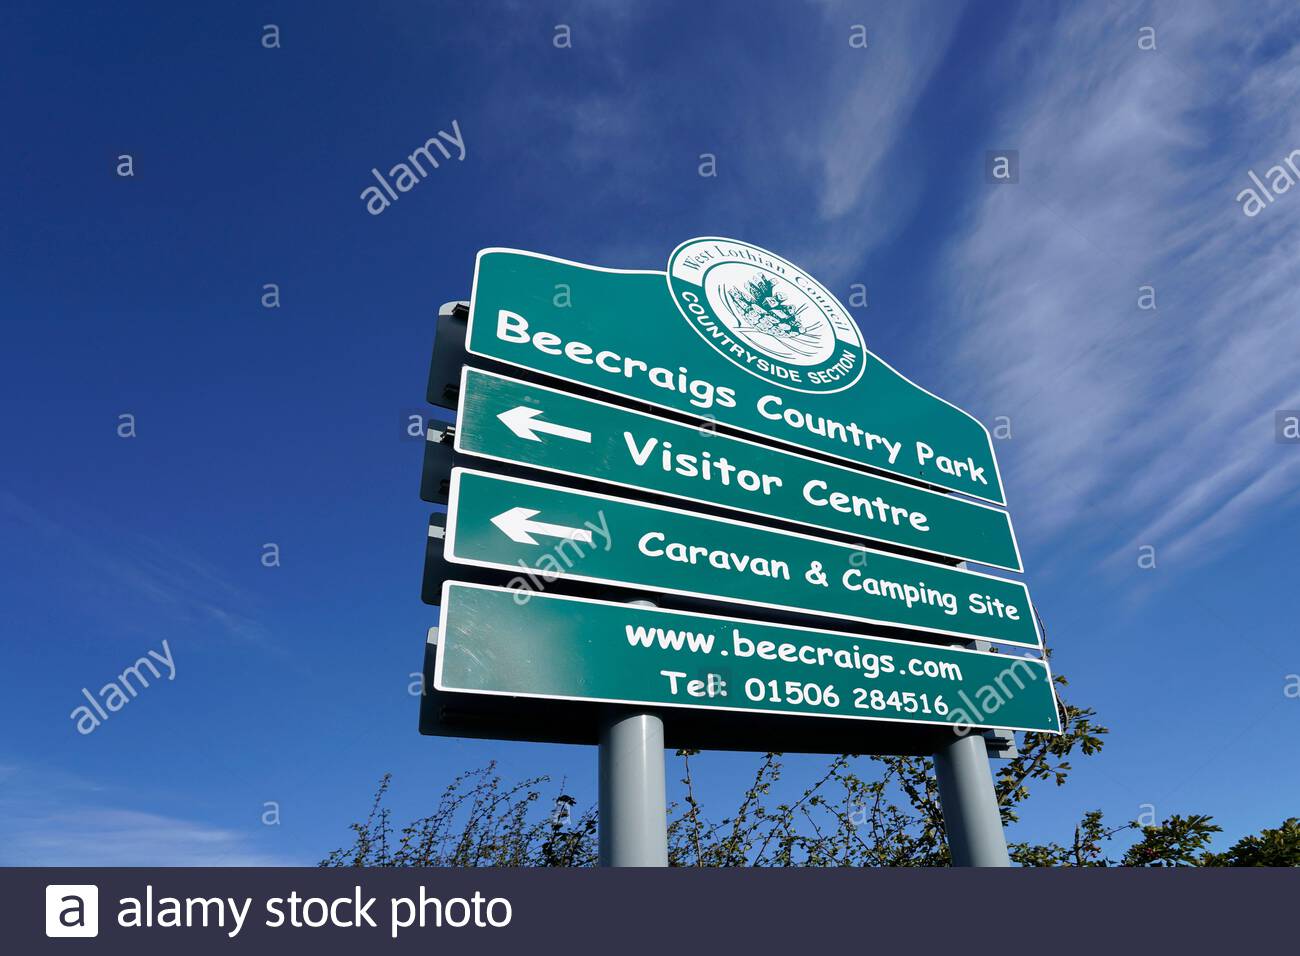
<point>1136,426</point>
<point>52,818</point>
<point>861,110</point>
<point>92,836</point>
<point>163,578</point>
<point>795,118</point>
<point>870,95</point>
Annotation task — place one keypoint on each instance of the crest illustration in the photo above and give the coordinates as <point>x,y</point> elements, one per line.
<point>767,316</point>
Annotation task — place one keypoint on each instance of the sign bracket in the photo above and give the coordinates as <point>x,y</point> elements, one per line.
<point>449,354</point>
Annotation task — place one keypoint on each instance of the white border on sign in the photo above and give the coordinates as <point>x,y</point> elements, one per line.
<point>460,432</point>
<point>469,330</point>
<point>441,655</point>
<point>449,552</point>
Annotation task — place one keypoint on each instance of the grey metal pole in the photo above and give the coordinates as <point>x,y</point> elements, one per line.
<point>633,817</point>
<point>633,811</point>
<point>970,806</point>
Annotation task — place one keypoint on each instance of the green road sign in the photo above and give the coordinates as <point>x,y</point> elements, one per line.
<point>520,423</point>
<point>565,648</point>
<point>543,532</point>
<point>731,333</point>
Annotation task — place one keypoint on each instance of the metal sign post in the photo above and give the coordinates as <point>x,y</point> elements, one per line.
<point>971,816</point>
<point>970,806</point>
<point>633,815</point>
<point>633,799</point>
<point>730,383</point>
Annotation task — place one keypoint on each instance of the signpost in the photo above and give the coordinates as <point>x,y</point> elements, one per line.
<point>732,334</point>
<point>541,532</point>
<point>506,420</point>
<point>568,648</point>
<point>729,340</point>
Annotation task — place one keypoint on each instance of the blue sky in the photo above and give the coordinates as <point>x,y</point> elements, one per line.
<point>255,426</point>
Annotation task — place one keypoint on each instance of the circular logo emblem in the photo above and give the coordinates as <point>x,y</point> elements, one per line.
<point>765,315</point>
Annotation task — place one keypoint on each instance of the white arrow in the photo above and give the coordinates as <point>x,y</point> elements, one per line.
<point>523,421</point>
<point>517,524</point>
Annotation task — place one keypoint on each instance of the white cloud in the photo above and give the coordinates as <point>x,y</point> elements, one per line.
<point>102,837</point>
<point>802,130</point>
<point>1138,427</point>
<point>871,93</point>
<point>53,818</point>
<point>147,575</point>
